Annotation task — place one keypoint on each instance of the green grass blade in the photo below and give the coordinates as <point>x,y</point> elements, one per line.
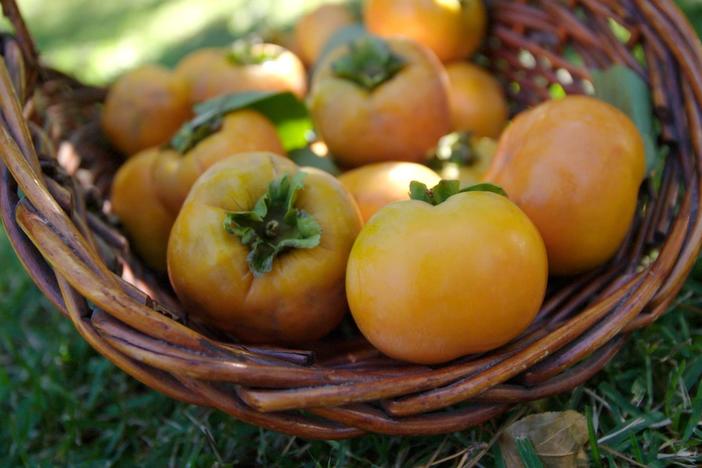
<point>592,437</point>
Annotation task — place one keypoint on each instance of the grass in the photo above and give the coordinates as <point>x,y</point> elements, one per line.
<point>66,405</point>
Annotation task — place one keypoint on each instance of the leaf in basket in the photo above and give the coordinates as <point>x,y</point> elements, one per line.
<point>626,90</point>
<point>283,109</point>
<point>557,440</point>
<point>305,157</point>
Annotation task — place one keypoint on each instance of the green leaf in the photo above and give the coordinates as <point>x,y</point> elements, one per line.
<point>592,438</point>
<point>624,89</point>
<point>631,426</point>
<point>305,157</point>
<point>342,37</point>
<point>446,189</point>
<point>420,192</point>
<point>193,132</point>
<point>289,115</point>
<point>486,187</point>
<point>695,415</point>
<point>527,453</point>
<point>693,371</point>
<point>307,226</point>
<point>274,225</point>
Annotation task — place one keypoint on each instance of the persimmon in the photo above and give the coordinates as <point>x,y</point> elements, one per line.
<point>453,29</point>
<point>375,100</point>
<point>315,28</point>
<point>197,67</point>
<point>260,248</point>
<point>284,37</point>
<point>243,131</point>
<point>150,188</point>
<point>446,274</point>
<point>478,103</point>
<point>146,220</point>
<point>144,108</point>
<point>575,167</point>
<point>245,66</point>
<point>376,185</point>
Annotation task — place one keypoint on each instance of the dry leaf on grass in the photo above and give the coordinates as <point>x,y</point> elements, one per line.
<point>558,439</point>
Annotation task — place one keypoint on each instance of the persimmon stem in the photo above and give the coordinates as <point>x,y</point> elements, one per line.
<point>272,228</point>
<point>274,225</point>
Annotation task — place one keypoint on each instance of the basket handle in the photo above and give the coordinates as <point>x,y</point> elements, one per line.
<point>24,38</point>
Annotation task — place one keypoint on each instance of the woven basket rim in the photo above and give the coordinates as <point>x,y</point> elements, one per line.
<point>71,251</point>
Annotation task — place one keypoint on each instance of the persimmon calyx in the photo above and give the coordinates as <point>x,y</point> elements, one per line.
<point>190,135</point>
<point>456,148</point>
<point>446,189</point>
<point>274,225</point>
<point>209,117</point>
<point>369,62</point>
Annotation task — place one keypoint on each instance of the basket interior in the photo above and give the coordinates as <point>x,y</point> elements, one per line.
<point>534,58</point>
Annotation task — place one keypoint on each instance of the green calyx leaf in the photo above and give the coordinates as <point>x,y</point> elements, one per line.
<point>251,52</point>
<point>623,88</point>
<point>446,189</point>
<point>369,63</point>
<point>274,225</point>
<point>289,115</point>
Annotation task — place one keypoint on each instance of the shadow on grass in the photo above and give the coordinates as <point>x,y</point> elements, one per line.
<point>95,41</point>
<point>214,34</point>
<point>87,20</point>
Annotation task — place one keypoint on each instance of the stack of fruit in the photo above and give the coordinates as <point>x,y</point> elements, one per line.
<point>215,193</point>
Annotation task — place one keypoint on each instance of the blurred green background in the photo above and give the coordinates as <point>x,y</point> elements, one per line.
<point>63,404</point>
<point>96,40</point>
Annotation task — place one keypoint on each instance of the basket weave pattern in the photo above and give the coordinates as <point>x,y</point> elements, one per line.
<point>56,171</point>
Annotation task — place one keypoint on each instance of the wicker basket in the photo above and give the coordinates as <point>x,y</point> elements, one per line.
<point>57,171</point>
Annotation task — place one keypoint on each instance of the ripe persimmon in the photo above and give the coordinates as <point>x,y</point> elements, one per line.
<point>453,29</point>
<point>147,222</point>
<point>315,28</point>
<point>432,281</point>
<point>375,100</point>
<point>144,108</point>
<point>478,103</point>
<point>376,185</point>
<point>575,167</point>
<point>260,248</point>
<point>149,190</point>
<point>245,66</point>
